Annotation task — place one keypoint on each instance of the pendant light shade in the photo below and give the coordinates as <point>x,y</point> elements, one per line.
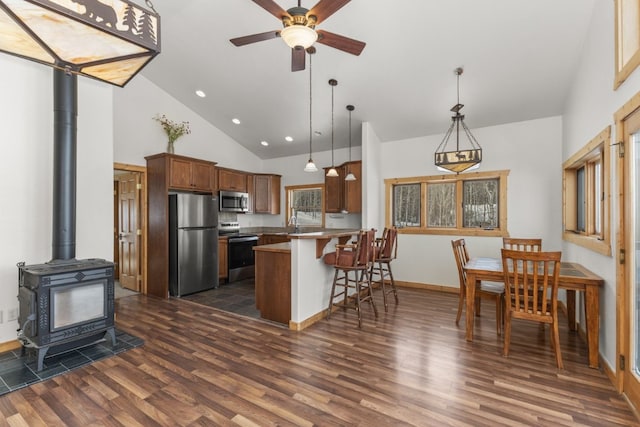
<point>462,158</point>
<point>350,176</point>
<point>108,42</point>
<point>310,167</point>
<point>332,172</point>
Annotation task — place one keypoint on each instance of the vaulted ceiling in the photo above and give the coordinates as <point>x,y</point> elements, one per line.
<point>519,59</point>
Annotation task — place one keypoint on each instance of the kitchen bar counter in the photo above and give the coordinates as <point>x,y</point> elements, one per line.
<point>310,278</point>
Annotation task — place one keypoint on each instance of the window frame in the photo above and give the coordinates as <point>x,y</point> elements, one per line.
<point>287,191</point>
<point>627,40</point>
<point>459,230</point>
<point>595,237</point>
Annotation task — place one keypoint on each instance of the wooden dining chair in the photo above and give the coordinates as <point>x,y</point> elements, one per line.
<point>520,244</point>
<point>484,290</point>
<point>531,282</point>
<point>385,251</point>
<point>352,264</point>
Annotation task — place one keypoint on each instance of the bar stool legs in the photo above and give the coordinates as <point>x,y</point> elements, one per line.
<point>383,269</point>
<point>360,283</point>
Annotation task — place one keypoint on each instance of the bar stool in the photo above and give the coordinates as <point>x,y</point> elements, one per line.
<point>352,264</point>
<point>385,251</point>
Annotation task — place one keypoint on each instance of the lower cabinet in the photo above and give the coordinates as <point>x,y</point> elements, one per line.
<point>273,283</point>
<point>223,258</point>
<point>268,239</point>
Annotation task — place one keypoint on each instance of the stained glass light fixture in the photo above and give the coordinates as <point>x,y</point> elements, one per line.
<point>462,158</point>
<point>108,40</point>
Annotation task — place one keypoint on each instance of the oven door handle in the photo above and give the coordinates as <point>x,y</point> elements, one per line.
<point>243,239</point>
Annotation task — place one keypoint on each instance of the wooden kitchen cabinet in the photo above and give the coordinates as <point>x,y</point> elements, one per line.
<point>266,197</point>
<point>232,180</point>
<point>269,239</point>
<point>166,173</point>
<point>190,174</point>
<point>344,195</point>
<point>273,282</point>
<point>352,190</point>
<point>223,258</point>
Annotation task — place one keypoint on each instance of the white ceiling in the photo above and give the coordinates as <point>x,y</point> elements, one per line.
<point>519,58</point>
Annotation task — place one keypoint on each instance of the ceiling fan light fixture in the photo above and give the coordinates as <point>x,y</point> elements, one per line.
<point>298,36</point>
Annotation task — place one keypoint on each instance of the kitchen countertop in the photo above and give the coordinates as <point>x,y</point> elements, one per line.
<point>303,232</point>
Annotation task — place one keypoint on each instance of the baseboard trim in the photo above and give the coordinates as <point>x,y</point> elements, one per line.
<point>9,345</point>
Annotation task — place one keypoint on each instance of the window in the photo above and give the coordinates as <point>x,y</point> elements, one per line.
<point>465,204</point>
<point>627,24</point>
<point>585,201</point>
<point>306,202</point>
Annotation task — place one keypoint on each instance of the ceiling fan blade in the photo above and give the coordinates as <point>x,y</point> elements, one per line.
<point>297,59</point>
<point>325,8</point>
<point>342,43</point>
<point>271,7</point>
<point>241,41</point>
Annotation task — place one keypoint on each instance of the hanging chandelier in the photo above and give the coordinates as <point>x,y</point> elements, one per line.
<point>460,159</point>
<point>108,42</point>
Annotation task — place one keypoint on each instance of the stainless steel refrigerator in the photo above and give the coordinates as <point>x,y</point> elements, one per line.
<point>193,243</point>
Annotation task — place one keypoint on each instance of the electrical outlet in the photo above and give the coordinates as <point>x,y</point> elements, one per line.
<point>12,315</point>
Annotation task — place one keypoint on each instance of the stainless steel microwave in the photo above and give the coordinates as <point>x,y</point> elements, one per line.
<point>234,201</point>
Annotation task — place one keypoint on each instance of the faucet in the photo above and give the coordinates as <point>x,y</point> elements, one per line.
<point>293,220</point>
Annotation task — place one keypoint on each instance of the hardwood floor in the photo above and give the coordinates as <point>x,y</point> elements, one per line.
<point>200,366</point>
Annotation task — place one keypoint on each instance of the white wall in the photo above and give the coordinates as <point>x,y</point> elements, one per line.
<point>589,110</point>
<point>137,135</point>
<point>26,175</point>
<point>531,150</point>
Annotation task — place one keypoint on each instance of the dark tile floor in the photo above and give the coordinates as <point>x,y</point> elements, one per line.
<point>17,371</point>
<point>236,297</point>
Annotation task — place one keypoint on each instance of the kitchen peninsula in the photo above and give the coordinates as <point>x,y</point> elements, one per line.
<point>292,281</point>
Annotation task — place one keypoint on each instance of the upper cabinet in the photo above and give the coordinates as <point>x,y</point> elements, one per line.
<point>190,174</point>
<point>341,195</point>
<point>232,180</point>
<point>266,194</point>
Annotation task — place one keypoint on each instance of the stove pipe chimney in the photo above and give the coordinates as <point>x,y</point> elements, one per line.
<point>65,111</point>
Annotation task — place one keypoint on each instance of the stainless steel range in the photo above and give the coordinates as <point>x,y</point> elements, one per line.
<point>240,251</point>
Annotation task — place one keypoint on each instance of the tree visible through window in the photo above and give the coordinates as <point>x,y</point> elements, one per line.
<point>306,203</point>
<point>464,204</point>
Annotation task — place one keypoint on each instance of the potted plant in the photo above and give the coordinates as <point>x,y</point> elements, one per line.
<point>173,129</point>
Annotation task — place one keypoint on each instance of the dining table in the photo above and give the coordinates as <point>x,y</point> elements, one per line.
<point>573,277</point>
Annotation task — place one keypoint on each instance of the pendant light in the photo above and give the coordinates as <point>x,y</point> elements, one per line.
<point>310,167</point>
<point>350,176</point>
<point>458,160</point>
<point>332,172</point>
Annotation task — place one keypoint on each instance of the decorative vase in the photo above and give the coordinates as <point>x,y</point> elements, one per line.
<point>170,147</point>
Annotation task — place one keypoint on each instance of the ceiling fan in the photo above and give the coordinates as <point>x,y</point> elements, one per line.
<point>299,30</point>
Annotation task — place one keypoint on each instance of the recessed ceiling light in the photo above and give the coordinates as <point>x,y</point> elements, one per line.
<point>288,139</point>
<point>265,143</point>
<point>200,93</point>
<point>236,121</point>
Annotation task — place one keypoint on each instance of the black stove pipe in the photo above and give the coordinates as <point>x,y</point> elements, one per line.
<point>65,111</point>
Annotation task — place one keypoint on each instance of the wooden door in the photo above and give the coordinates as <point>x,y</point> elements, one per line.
<point>628,255</point>
<point>128,228</point>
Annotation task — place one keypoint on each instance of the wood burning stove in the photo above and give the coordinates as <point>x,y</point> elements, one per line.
<point>65,305</point>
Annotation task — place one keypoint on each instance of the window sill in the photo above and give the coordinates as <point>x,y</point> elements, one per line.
<point>602,247</point>
<point>455,231</point>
